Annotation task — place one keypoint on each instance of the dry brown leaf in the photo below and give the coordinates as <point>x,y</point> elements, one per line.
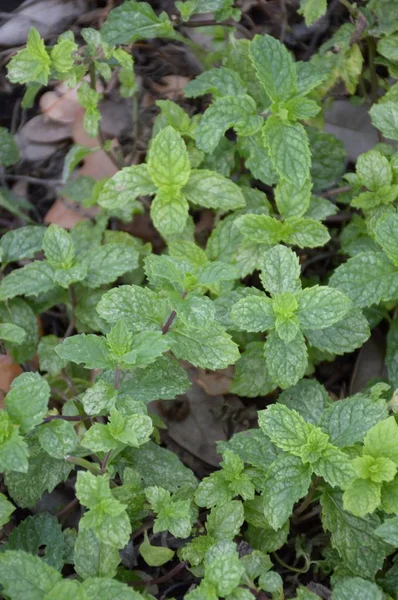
<point>63,215</point>
<point>9,370</point>
<point>171,86</point>
<point>61,107</point>
<point>214,383</point>
<point>98,165</point>
<point>79,134</point>
<point>41,130</point>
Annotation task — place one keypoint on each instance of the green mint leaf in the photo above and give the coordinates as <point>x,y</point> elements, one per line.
<point>309,398</point>
<point>40,532</point>
<point>107,263</point>
<point>134,430</point>
<point>164,379</point>
<point>257,158</point>
<point>381,440</point>
<point>289,149</point>
<point>158,466</point>
<point>274,67</point>
<point>106,517</point>
<point>99,439</point>
<point>373,170</point>
<point>48,359</point>
<point>356,587</point>
<point>212,190</point>
<point>44,474</point>
<point>335,467</point>
<point>392,353</point>
<point>106,589</point>
<point>27,400</point>
<point>284,427</point>
<point>286,361</point>
<point>389,497</point>
<point>305,233</point>
<point>223,568</point>
<point>224,522</point>
<point>260,229</point>
<point>388,531</point>
<point>239,112</point>
<point>353,537</point>
<point>12,333</point>
<point>312,10</point>
<point>299,108</point>
<point>99,398</point>
<point>219,82</point>
<point>93,558</point>
<point>89,350</point>
<point>171,515</point>
<point>9,152</point>
<point>155,556</point>
<point>25,576</point>
<point>213,490</point>
<point>168,160</point>
<point>58,247</point>
<point>328,153</point>
<point>321,307</point>
<point>385,234</point>
<point>89,100</point>
<point>287,480</point>
<point>6,510</point>
<point>252,447</point>
<point>140,307</point>
<point>309,77</point>
<point>21,314</point>
<point>134,21</point>
<point>125,186</point>
<point>347,421</point>
<point>280,271</point>
<point>344,336</point>
<point>367,278</point>
<point>251,377</point>
<point>33,279</point>
<point>206,348</point>
<point>58,438</point>
<point>292,200</point>
<point>385,117</point>
<point>362,497</point>
<point>188,251</point>
<point>376,469</point>
<point>174,115</point>
<point>32,64</point>
<point>169,212</point>
<point>254,313</point>
<point>21,243</point>
<point>62,59</point>
<point>13,449</point>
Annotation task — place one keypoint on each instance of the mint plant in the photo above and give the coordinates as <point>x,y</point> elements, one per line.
<point>270,261</point>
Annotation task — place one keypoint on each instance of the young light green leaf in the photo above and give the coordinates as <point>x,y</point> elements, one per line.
<point>260,229</point>
<point>168,160</point>
<point>223,568</point>
<point>373,170</point>
<point>285,428</point>
<point>381,440</point>
<point>58,247</point>
<point>335,467</point>
<point>212,190</point>
<point>155,556</point>
<point>286,361</point>
<point>289,149</point>
<point>312,10</point>
<point>32,64</point>
<point>13,449</point>
<point>305,233</point>
<point>274,66</point>
<point>224,522</point>
<point>309,398</point>
<point>362,497</point>
<point>385,232</point>
<point>6,510</point>
<point>292,200</point>
<point>12,333</point>
<point>27,400</point>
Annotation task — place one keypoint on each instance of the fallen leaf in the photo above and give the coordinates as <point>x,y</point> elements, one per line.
<point>9,370</point>
<point>98,165</point>
<point>60,107</point>
<point>42,130</point>
<point>49,17</point>
<point>171,86</point>
<point>63,215</point>
<point>214,383</point>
